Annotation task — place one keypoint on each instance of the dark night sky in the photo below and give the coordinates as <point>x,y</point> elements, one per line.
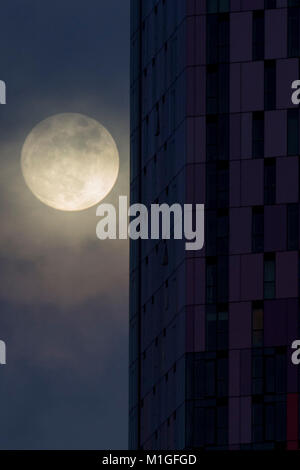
<point>63,293</point>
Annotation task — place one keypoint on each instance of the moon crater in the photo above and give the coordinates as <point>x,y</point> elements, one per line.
<point>70,162</point>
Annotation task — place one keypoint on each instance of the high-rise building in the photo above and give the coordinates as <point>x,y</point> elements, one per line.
<point>212,122</point>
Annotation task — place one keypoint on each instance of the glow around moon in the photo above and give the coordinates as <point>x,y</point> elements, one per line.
<point>70,161</point>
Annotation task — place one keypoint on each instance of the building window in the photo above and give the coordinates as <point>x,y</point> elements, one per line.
<point>212,138</point>
<point>258,134</point>
<point>270,181</point>
<point>217,185</point>
<point>223,38</point>
<point>293,131</point>
<point>269,276</point>
<point>222,376</point>
<point>270,84</point>
<point>212,39</point>
<point>217,328</point>
<point>222,281</point>
<point>293,32</point>
<point>258,35</point>
<point>293,3</point>
<point>222,327</point>
<point>292,226</point>
<point>210,426</point>
<point>211,280</point>
<point>210,378</point>
<point>212,89</point>
<point>224,89</point>
<point>222,425</point>
<point>257,422</point>
<point>258,229</point>
<point>222,184</point>
<point>269,4</point>
<point>217,137</point>
<point>222,232</point>
<point>223,135</point>
<point>211,186</point>
<point>211,233</point>
<point>257,372</point>
<point>257,324</point>
<point>217,6</point>
<point>217,38</point>
<point>217,89</point>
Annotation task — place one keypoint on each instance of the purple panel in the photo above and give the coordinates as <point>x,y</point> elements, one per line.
<point>235,136</point>
<point>234,420</point>
<point>199,337</point>
<point>235,184</point>
<point>246,419</point>
<point>287,274</point>
<point>195,277</point>
<point>252,277</point>
<point>246,372</point>
<point>252,86</point>
<point>234,278</point>
<point>287,180</point>
<point>240,325</point>
<point>199,90</point>
<point>287,174</point>
<point>195,329</point>
<point>240,37</point>
<point>200,139</point>
<point>276,33</point>
<point>275,322</point>
<point>275,133</point>
<point>200,39</point>
<point>275,228</point>
<point>195,189</point>
<point>293,319</point>
<point>235,88</point>
<point>287,72</point>
<point>240,230</point>
<point>246,135</point>
<point>190,6</point>
<point>200,7</point>
<point>234,373</point>
<point>190,50</point>
<point>190,97</point>
<point>252,182</point>
<point>252,4</point>
<point>235,5</point>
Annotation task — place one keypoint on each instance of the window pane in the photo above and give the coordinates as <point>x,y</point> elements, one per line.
<point>270,181</point>
<point>258,319</point>
<point>293,131</point>
<point>258,131</point>
<point>270,4</point>
<point>258,34</point>
<point>258,229</point>
<point>269,271</point>
<point>257,339</point>
<point>293,226</point>
<point>212,6</point>
<point>210,378</point>
<point>270,84</point>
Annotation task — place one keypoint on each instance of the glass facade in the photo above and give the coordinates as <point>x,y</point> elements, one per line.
<point>212,122</point>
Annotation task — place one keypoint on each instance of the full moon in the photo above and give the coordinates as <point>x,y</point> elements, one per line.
<point>70,161</point>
